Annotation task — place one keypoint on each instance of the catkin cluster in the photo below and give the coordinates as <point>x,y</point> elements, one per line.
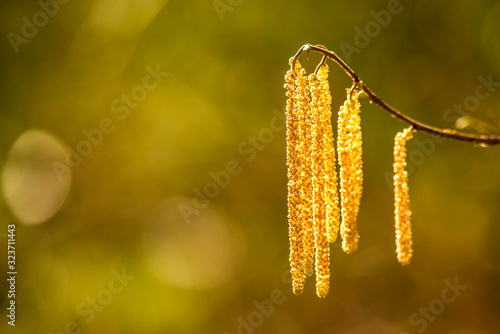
<point>402,210</point>
<point>313,202</point>
<point>316,212</point>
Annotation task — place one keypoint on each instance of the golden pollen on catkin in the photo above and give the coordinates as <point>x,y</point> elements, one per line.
<point>294,180</point>
<point>330,174</point>
<point>351,173</point>
<point>402,210</point>
<point>305,170</point>
<point>319,179</point>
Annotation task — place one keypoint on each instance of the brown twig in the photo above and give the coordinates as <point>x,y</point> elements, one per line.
<point>483,140</point>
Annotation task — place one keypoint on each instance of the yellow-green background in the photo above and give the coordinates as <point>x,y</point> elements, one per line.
<point>225,79</point>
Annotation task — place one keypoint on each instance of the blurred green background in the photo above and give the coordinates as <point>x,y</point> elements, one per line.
<point>118,241</point>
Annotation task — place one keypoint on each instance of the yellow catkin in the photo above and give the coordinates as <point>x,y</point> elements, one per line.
<point>305,168</point>
<point>294,181</point>
<point>402,210</point>
<point>351,172</point>
<point>322,247</point>
<point>332,198</point>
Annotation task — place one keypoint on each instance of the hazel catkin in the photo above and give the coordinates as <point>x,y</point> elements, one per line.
<point>294,180</point>
<point>402,210</point>
<point>322,254</point>
<point>330,173</point>
<point>305,166</point>
<point>351,173</point>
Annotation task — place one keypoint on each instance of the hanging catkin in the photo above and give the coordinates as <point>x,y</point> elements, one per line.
<point>319,179</point>
<point>294,181</point>
<point>332,198</point>
<point>351,172</point>
<point>305,170</point>
<point>402,210</point>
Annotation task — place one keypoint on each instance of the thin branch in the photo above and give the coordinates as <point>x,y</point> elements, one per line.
<point>321,63</point>
<point>482,140</point>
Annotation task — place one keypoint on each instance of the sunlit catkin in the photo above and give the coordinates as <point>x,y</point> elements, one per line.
<point>351,172</point>
<point>402,210</point>
<point>294,180</point>
<point>332,198</point>
<point>322,257</point>
<point>305,171</point>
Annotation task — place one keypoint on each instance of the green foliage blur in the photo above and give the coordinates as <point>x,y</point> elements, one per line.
<point>142,156</point>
